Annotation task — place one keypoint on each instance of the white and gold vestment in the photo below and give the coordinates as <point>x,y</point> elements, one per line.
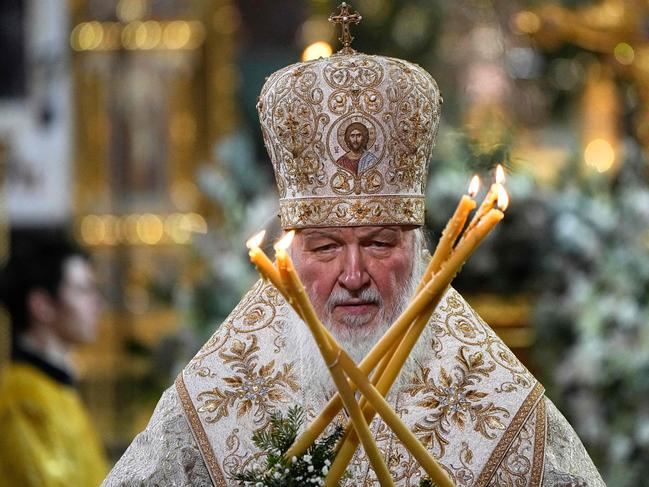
<point>474,405</point>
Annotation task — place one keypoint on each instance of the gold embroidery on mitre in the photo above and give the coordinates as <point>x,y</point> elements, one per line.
<point>347,130</point>
<point>351,211</point>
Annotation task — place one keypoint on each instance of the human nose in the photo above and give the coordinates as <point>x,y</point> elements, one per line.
<point>354,275</point>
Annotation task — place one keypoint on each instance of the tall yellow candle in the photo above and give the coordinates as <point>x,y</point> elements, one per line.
<point>300,300</point>
<point>452,230</point>
<point>490,198</point>
<point>407,437</point>
<point>385,348</point>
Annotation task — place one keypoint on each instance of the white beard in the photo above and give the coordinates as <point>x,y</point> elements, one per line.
<point>315,376</point>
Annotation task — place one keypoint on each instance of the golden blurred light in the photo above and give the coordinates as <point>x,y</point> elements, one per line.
<point>153,34</point>
<point>176,34</point>
<point>256,240</point>
<point>112,35</point>
<point>141,34</point>
<point>503,198</point>
<point>129,227</point>
<point>526,22</point>
<point>130,10</point>
<point>500,174</point>
<point>175,230</point>
<point>285,242</point>
<point>599,154</point>
<point>87,36</point>
<point>474,186</point>
<point>317,50</point>
<point>624,53</point>
<point>92,230</point>
<point>128,34</point>
<point>150,229</point>
<point>112,229</point>
<point>193,222</point>
<point>609,14</point>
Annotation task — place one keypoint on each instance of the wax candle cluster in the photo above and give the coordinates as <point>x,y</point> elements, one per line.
<point>390,353</point>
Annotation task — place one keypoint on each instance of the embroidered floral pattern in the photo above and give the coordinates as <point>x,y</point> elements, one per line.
<point>452,399</point>
<point>304,111</point>
<point>252,388</point>
<point>351,211</point>
<point>455,399</point>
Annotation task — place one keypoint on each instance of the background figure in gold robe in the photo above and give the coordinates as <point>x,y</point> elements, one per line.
<point>47,438</point>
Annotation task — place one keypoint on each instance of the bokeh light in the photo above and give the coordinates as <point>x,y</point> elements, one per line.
<point>624,53</point>
<point>317,50</point>
<point>599,154</point>
<point>526,22</point>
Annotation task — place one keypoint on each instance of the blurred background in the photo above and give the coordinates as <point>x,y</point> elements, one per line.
<point>131,124</point>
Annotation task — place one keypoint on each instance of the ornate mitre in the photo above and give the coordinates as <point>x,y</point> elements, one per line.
<point>350,137</point>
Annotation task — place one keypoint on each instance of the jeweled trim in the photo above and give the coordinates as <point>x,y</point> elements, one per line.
<point>351,211</point>
<point>508,437</point>
<point>200,436</point>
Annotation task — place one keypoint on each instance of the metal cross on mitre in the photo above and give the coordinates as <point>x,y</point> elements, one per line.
<point>346,15</point>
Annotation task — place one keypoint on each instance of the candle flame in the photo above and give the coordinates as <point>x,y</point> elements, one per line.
<point>474,186</point>
<point>285,242</point>
<point>256,241</point>
<point>500,174</point>
<point>503,198</point>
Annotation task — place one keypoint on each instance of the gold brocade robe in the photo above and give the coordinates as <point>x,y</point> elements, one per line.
<point>471,402</point>
<point>46,438</point>
<point>468,399</point>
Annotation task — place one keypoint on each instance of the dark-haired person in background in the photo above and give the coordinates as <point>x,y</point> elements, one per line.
<point>46,438</point>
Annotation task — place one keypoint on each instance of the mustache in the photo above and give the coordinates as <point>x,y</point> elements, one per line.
<point>343,296</point>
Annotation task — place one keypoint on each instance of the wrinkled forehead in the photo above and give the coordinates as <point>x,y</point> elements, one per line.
<point>357,232</point>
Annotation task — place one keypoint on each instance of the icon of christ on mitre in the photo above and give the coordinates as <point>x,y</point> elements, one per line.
<point>350,138</point>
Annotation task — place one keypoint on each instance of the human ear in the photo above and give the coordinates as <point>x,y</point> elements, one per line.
<point>41,306</point>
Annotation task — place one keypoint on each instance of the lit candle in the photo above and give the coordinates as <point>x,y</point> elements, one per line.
<point>264,265</point>
<point>452,230</point>
<point>489,199</point>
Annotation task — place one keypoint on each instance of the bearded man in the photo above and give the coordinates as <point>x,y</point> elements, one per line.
<point>357,159</point>
<point>462,392</point>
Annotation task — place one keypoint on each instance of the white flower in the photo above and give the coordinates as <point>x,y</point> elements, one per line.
<point>327,463</point>
<point>294,459</point>
<point>325,470</point>
<point>310,468</point>
<point>306,458</point>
